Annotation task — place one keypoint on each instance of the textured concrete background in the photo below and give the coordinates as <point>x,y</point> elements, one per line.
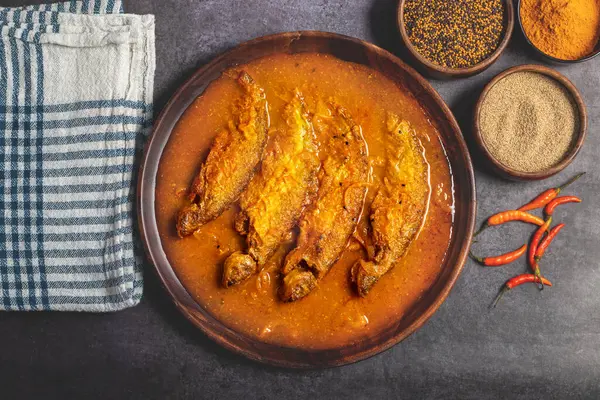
<point>534,345</point>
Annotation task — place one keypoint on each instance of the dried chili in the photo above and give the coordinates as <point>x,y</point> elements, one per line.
<point>503,259</point>
<point>548,195</point>
<point>541,249</point>
<point>508,216</point>
<point>519,280</point>
<point>535,241</point>
<point>549,209</point>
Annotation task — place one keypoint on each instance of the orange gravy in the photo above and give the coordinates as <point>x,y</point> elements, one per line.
<point>332,315</point>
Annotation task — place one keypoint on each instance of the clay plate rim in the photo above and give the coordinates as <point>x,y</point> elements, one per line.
<point>343,47</point>
<point>511,173</point>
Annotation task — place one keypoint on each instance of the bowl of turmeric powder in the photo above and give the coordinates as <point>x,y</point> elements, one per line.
<point>561,31</point>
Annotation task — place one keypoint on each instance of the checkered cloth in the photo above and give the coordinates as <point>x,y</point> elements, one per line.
<point>75,105</point>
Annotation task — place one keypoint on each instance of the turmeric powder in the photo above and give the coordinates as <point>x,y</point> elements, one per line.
<point>564,29</point>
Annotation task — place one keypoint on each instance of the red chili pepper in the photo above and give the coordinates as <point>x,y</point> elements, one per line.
<point>514,215</point>
<point>541,249</point>
<point>548,195</point>
<point>519,280</point>
<point>549,209</point>
<point>535,241</point>
<point>503,259</point>
<point>508,216</point>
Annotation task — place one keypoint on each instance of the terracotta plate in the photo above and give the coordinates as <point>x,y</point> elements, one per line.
<point>348,49</point>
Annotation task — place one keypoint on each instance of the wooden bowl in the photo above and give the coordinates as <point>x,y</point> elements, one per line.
<point>440,72</point>
<point>510,173</point>
<point>348,49</point>
<point>548,57</point>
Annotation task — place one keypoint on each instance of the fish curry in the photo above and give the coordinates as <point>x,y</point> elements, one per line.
<point>305,201</point>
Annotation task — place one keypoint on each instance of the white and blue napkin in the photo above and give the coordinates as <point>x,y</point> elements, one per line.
<point>76,89</point>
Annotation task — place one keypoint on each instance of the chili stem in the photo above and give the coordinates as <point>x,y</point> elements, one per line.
<point>503,290</point>
<point>475,258</point>
<point>573,179</point>
<point>483,227</point>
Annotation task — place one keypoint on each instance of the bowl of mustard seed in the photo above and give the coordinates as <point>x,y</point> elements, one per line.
<point>529,123</point>
<point>455,39</point>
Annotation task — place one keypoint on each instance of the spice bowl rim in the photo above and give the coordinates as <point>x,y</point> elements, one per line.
<point>514,174</point>
<point>546,56</point>
<point>438,71</point>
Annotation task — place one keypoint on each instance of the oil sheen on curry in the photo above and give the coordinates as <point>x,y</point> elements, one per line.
<point>305,201</point>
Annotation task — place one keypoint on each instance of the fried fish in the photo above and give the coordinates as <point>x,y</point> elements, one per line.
<point>400,205</point>
<point>231,163</point>
<point>328,223</point>
<point>275,198</point>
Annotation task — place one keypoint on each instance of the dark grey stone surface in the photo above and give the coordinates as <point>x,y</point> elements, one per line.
<point>534,345</point>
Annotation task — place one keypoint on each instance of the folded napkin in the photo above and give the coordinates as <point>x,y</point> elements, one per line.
<point>74,6</point>
<point>75,105</point>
